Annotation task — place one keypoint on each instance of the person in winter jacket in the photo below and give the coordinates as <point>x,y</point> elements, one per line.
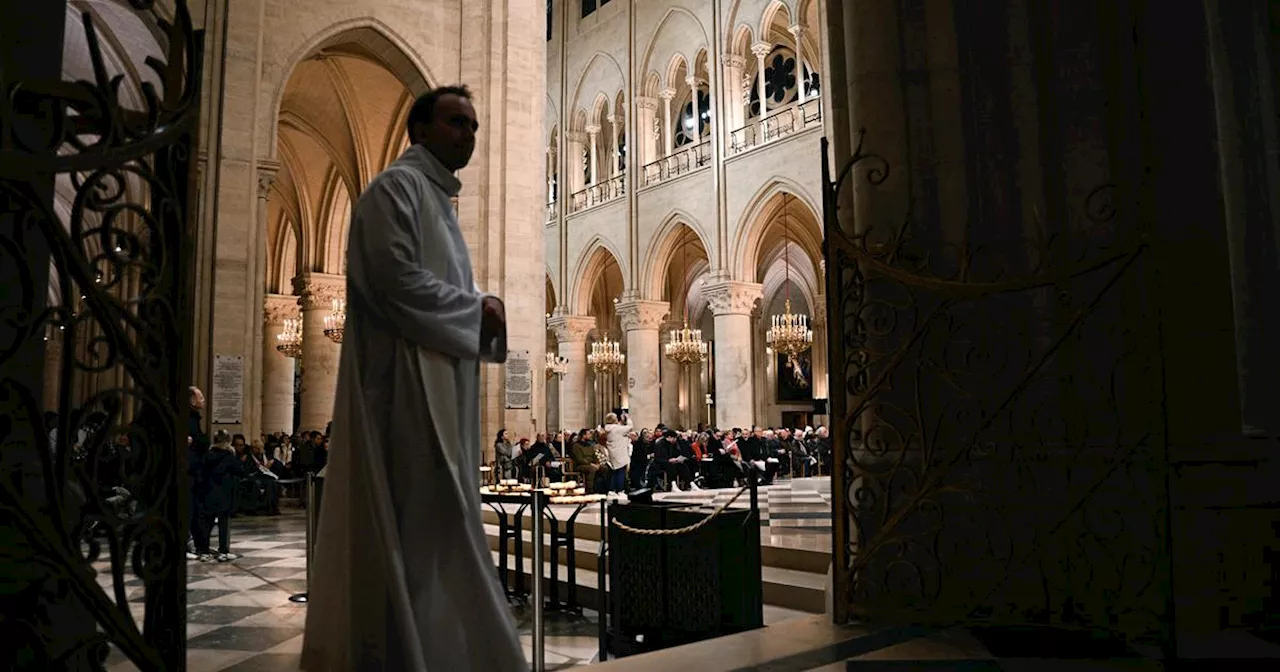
<point>220,472</point>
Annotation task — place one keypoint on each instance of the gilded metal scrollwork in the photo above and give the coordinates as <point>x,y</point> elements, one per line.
<point>997,421</point>
<point>102,486</point>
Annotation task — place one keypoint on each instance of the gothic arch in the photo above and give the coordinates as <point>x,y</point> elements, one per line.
<point>553,291</point>
<point>760,217</point>
<point>599,60</point>
<point>770,15</point>
<point>378,42</point>
<point>803,275</point>
<point>587,271</point>
<point>666,24</point>
<point>663,248</point>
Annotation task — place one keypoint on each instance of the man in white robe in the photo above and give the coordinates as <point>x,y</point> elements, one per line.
<point>402,576</point>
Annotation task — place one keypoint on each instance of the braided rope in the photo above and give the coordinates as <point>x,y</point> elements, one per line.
<point>682,530</point>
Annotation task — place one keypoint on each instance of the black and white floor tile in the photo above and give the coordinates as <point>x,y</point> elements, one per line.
<point>240,618</point>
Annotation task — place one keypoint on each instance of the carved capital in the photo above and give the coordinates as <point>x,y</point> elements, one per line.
<point>667,94</point>
<point>279,307</point>
<point>612,119</point>
<point>266,176</point>
<point>647,103</point>
<point>640,315</point>
<point>575,136</point>
<point>819,317</point>
<point>316,291</point>
<point>735,61</point>
<point>798,30</point>
<point>761,49</point>
<point>733,298</point>
<point>571,328</point>
<point>592,129</point>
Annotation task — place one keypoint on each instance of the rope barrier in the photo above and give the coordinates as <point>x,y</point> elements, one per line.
<point>688,528</point>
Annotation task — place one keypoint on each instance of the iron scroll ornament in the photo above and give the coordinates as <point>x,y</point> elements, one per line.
<point>118,260</point>
<point>966,386</point>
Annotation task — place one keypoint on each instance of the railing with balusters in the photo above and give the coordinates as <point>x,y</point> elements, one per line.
<point>684,161</point>
<point>781,124</point>
<point>599,194</point>
<point>553,212</point>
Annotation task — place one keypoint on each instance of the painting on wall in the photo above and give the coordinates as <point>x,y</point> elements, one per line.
<point>795,378</point>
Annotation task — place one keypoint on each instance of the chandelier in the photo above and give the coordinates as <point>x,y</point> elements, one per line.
<point>790,333</point>
<point>289,340</point>
<point>336,321</point>
<point>686,345</point>
<point>556,366</point>
<point>606,356</point>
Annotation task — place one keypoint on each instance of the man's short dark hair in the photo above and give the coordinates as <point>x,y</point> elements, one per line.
<point>425,106</point>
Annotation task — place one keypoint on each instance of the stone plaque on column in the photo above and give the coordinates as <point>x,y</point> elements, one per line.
<point>227,402</point>
<point>519,383</point>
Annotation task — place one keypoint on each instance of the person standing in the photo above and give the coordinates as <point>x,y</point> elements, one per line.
<point>220,473</point>
<point>403,578</point>
<point>618,444</point>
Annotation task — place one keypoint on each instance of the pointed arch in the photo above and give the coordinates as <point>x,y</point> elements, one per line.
<point>371,39</point>
<point>776,272</point>
<point>761,216</point>
<point>662,249</point>
<point>660,44</point>
<point>770,15</point>
<point>599,60</point>
<point>553,293</point>
<point>587,270</point>
<point>673,79</point>
<point>743,38</point>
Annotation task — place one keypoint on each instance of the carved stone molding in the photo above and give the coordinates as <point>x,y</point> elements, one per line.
<point>642,315</point>
<point>733,298</point>
<point>647,103</point>
<point>667,94</point>
<point>761,49</point>
<point>571,328</point>
<point>266,176</point>
<point>735,61</point>
<point>694,82</point>
<point>575,136</point>
<point>316,291</point>
<point>798,31</point>
<point>819,317</point>
<point>592,129</point>
<point>279,307</point>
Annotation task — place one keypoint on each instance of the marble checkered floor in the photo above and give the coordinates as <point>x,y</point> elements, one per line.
<point>240,619</point>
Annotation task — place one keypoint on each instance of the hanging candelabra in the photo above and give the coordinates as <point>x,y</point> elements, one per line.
<point>606,356</point>
<point>556,366</point>
<point>336,321</point>
<point>289,340</point>
<point>789,333</point>
<point>685,345</point>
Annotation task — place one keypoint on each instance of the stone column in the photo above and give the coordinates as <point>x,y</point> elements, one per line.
<point>761,50</point>
<point>669,134</point>
<point>648,130</point>
<point>571,337</point>
<point>257,351</point>
<point>731,303</point>
<point>593,140</point>
<point>819,324</point>
<point>277,370</point>
<point>697,109</point>
<point>575,180</point>
<point>672,371</point>
<point>735,105</point>
<point>641,321</point>
<point>613,147</point>
<point>319,354</point>
<point>798,31</point>
<point>52,370</point>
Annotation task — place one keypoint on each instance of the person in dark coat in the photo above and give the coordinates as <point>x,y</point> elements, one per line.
<point>219,476</point>
<point>197,446</point>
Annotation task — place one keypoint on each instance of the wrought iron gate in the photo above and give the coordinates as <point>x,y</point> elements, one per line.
<point>95,324</point>
<point>997,412</point>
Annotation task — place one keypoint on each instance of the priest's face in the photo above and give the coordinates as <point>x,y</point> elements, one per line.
<point>451,133</point>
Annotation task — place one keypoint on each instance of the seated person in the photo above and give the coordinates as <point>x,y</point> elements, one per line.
<point>264,472</point>
<point>541,456</point>
<point>673,458</point>
<point>586,458</point>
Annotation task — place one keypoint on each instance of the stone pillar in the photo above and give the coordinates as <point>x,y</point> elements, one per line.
<point>648,130</point>
<point>277,370</point>
<point>613,147</point>
<point>319,354</point>
<point>798,31</point>
<point>257,351</point>
<point>52,370</point>
<point>571,337</point>
<point>593,140</point>
<point>735,104</point>
<point>669,134</point>
<point>731,303</point>
<point>672,371</point>
<point>641,321</point>
<point>692,81</point>
<point>819,324</point>
<point>761,50</point>
<point>575,180</point>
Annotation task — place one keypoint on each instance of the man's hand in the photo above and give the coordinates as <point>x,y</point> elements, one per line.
<point>493,318</point>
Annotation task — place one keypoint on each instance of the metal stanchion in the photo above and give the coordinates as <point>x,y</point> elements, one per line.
<point>602,571</point>
<point>313,517</point>
<point>539,626</point>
